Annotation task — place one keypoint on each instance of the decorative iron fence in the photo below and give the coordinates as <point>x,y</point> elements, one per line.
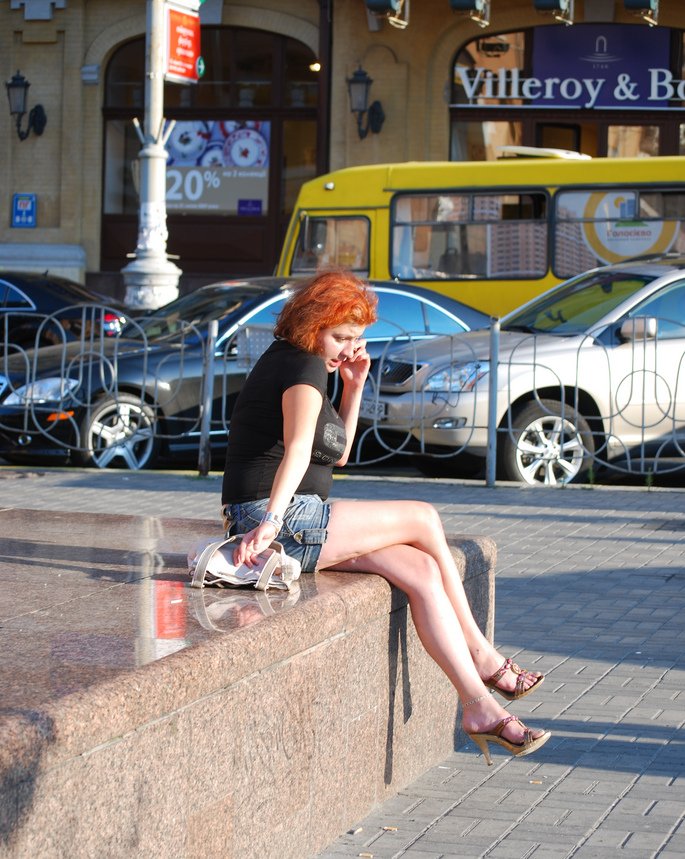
<point>122,396</point>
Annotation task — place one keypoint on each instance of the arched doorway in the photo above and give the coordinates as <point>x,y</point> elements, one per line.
<point>245,139</point>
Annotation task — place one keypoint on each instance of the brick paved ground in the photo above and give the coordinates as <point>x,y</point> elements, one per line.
<point>590,590</point>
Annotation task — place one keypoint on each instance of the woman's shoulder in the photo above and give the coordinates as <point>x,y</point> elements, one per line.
<point>297,365</point>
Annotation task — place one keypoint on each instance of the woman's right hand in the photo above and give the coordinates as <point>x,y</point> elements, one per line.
<point>254,542</point>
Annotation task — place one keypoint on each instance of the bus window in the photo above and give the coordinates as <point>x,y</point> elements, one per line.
<point>470,235</point>
<point>332,241</point>
<point>599,226</point>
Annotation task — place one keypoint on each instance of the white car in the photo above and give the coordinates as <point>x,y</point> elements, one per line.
<point>591,372</point>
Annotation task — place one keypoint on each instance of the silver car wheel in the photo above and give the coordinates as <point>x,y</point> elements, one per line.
<point>551,445</point>
<point>120,431</point>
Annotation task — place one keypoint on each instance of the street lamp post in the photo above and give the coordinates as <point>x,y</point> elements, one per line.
<point>151,278</point>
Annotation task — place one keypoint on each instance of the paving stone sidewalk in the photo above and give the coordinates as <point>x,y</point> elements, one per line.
<point>590,590</point>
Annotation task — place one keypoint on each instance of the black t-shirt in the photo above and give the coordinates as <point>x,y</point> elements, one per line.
<point>255,438</point>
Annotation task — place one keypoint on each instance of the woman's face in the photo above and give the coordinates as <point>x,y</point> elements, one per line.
<point>339,344</point>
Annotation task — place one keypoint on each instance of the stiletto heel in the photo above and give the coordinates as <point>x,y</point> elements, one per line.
<point>529,745</point>
<point>482,744</point>
<point>519,691</point>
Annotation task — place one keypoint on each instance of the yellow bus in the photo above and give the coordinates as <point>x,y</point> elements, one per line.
<point>492,234</point>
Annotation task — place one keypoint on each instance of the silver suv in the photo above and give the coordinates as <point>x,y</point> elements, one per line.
<point>592,371</point>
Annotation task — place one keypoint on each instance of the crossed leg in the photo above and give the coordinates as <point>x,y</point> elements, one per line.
<point>404,542</point>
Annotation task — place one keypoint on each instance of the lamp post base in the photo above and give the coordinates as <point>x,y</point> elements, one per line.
<point>150,282</point>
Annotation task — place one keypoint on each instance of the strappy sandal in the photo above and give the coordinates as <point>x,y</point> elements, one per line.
<point>527,747</point>
<point>520,690</point>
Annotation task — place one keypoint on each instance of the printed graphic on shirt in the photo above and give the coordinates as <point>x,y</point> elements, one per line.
<point>333,442</point>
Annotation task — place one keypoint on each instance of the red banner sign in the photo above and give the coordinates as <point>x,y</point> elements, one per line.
<point>182,46</point>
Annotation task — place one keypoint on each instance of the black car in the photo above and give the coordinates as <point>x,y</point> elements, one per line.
<point>138,396</point>
<point>43,309</point>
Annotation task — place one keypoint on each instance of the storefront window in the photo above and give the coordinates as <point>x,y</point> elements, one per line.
<point>301,76</point>
<point>564,87</point>
<point>121,168</point>
<point>221,148</point>
<point>482,141</point>
<point>632,141</point>
<point>299,159</point>
<point>482,67</point>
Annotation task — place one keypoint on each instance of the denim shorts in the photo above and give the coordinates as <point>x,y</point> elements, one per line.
<point>304,525</point>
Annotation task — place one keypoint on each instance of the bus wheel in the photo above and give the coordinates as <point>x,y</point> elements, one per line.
<point>549,443</point>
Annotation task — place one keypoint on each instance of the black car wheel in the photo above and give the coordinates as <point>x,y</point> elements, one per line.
<point>549,443</point>
<point>119,432</point>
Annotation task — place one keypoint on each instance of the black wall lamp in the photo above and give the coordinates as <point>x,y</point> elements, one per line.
<point>358,86</point>
<point>17,92</point>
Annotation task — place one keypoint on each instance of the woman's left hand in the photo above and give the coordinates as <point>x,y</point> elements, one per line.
<point>252,543</point>
<point>354,370</point>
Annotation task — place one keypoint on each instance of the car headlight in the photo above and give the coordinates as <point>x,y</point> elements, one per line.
<point>457,377</point>
<point>51,390</point>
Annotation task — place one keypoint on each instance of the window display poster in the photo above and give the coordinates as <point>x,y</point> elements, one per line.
<point>218,167</point>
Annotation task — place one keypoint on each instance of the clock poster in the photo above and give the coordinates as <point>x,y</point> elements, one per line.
<point>218,167</point>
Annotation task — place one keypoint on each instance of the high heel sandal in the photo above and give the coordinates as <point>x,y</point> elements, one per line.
<point>519,690</point>
<point>494,735</point>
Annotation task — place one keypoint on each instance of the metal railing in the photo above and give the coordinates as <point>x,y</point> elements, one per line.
<point>535,416</point>
<point>109,399</point>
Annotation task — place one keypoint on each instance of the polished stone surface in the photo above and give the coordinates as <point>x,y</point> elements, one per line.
<point>140,717</point>
<point>86,597</point>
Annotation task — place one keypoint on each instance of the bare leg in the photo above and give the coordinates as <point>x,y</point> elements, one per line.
<point>416,572</point>
<point>358,528</point>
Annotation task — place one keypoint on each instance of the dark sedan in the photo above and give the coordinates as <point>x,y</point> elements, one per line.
<point>43,309</point>
<point>138,396</point>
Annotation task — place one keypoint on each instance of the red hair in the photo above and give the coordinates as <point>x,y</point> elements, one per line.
<point>329,299</point>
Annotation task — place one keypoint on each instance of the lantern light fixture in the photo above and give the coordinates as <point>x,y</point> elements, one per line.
<point>17,93</point>
<point>358,87</point>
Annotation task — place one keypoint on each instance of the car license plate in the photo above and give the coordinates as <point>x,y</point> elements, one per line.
<point>373,409</point>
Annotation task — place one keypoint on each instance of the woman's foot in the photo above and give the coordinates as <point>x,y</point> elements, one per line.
<point>531,742</point>
<point>482,714</point>
<point>485,721</point>
<point>512,682</point>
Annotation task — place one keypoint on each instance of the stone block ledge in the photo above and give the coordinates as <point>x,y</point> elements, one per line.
<point>143,718</point>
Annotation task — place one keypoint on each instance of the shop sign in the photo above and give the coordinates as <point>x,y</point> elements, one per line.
<point>218,167</point>
<point>586,66</point>
<point>182,57</point>
<point>612,228</point>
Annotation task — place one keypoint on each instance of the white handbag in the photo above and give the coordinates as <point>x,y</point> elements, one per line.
<point>211,564</point>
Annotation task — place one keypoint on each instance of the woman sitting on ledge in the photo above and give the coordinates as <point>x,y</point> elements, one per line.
<point>284,441</point>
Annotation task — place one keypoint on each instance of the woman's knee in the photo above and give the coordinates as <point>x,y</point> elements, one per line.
<point>428,516</point>
<point>425,575</point>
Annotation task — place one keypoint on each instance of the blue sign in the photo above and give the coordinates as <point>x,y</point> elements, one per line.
<point>249,207</point>
<point>23,210</point>
<point>602,65</point>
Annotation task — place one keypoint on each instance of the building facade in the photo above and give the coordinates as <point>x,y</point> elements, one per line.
<point>455,80</point>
